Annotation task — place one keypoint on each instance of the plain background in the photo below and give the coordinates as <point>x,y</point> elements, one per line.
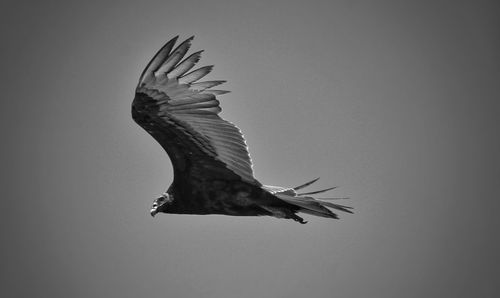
<point>396,102</point>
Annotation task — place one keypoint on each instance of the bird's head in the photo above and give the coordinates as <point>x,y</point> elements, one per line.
<point>161,203</point>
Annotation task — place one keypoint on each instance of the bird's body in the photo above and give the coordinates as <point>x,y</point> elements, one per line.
<point>212,167</point>
<point>220,196</point>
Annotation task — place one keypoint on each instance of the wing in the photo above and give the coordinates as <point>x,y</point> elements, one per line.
<point>182,115</point>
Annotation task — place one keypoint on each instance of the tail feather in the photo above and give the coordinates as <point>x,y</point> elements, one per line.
<point>317,191</point>
<point>306,184</point>
<point>337,206</point>
<point>308,204</point>
<point>310,212</point>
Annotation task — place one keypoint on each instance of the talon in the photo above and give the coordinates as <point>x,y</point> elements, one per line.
<point>298,219</point>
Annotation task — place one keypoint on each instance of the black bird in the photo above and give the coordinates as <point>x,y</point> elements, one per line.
<point>212,167</point>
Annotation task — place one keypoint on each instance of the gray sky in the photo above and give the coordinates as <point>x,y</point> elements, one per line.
<point>396,102</point>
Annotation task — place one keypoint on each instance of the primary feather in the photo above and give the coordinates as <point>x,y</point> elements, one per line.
<point>212,166</point>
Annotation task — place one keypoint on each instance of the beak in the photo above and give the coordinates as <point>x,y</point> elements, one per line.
<point>153,212</point>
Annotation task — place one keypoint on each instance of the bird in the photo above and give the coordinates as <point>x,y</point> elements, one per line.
<point>210,159</point>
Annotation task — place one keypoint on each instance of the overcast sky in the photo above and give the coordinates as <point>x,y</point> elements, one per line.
<point>395,102</point>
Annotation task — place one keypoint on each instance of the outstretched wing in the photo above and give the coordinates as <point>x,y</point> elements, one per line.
<point>182,115</point>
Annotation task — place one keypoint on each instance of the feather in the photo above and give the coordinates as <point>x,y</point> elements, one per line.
<point>195,75</point>
<point>174,57</point>
<point>316,192</point>
<point>185,65</point>
<point>201,111</point>
<point>158,59</point>
<point>311,212</point>
<point>205,85</point>
<point>216,92</point>
<point>306,203</point>
<point>169,65</point>
<point>306,184</point>
<point>192,99</point>
<point>279,189</point>
<point>193,106</point>
<point>337,206</point>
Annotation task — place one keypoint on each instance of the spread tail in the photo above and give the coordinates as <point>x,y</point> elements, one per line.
<point>306,203</point>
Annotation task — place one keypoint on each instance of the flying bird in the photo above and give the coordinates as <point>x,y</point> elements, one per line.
<point>212,167</point>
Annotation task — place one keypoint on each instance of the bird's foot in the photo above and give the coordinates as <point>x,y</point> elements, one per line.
<point>298,218</point>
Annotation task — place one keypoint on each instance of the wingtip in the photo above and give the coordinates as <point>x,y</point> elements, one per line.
<point>186,41</point>
<point>170,43</point>
<point>189,39</point>
<point>157,59</point>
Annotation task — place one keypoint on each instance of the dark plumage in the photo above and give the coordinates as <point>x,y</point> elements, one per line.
<point>212,167</point>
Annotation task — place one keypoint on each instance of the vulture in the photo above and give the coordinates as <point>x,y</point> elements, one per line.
<point>211,164</point>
